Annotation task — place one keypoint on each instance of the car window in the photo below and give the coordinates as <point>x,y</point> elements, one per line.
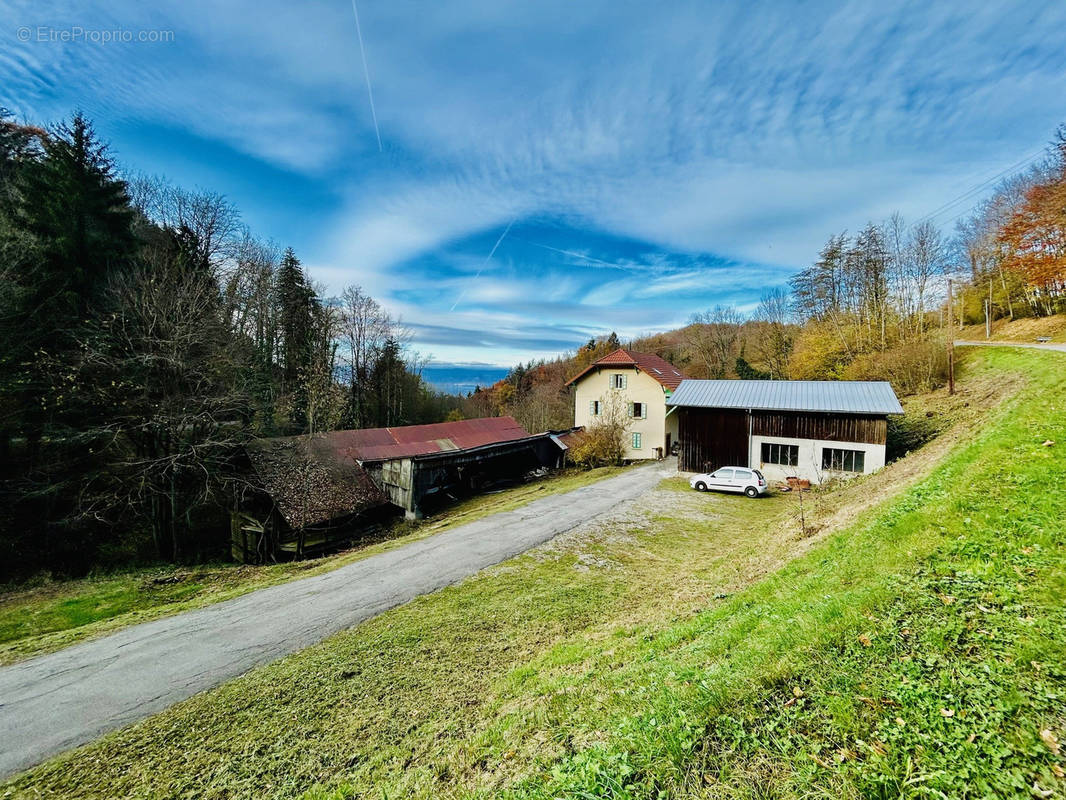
<point>723,474</point>
<point>743,475</point>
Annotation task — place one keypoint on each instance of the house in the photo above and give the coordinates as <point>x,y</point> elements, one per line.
<point>312,492</point>
<point>807,429</point>
<point>634,386</point>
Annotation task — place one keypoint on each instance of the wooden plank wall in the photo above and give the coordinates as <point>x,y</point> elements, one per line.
<point>711,438</point>
<point>829,427</point>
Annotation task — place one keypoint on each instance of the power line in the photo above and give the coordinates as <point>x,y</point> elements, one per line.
<point>979,187</point>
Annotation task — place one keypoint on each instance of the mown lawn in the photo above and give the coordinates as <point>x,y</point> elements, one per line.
<point>701,648</point>
<point>47,615</point>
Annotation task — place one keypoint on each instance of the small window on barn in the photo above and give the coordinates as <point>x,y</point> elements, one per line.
<point>636,441</point>
<point>618,381</point>
<point>786,455</point>
<point>638,410</point>
<point>840,460</point>
<point>595,408</point>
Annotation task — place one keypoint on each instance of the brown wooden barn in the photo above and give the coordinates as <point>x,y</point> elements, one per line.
<point>315,492</point>
<point>805,429</point>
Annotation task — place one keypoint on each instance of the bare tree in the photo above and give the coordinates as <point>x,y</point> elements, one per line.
<point>774,334</point>
<point>712,337</point>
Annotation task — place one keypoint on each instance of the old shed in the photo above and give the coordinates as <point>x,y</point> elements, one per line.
<point>313,492</point>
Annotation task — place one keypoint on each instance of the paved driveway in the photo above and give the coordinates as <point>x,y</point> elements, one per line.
<point>58,701</point>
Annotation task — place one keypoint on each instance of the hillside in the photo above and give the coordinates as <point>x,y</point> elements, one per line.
<point>910,637</point>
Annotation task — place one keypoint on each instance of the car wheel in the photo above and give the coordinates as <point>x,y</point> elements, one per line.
<point>751,491</point>
<point>701,487</point>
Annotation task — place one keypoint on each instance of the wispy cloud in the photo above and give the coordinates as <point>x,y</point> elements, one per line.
<point>656,160</point>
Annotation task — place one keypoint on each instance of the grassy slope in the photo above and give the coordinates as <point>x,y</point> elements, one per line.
<point>919,651</point>
<point>53,614</point>
<point>1020,330</point>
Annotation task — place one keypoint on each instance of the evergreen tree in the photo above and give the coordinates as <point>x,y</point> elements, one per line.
<point>296,304</point>
<point>77,210</point>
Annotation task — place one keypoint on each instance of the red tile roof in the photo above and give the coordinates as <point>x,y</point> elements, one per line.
<point>659,368</point>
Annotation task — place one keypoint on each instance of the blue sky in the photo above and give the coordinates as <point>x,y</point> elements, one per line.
<point>647,160</point>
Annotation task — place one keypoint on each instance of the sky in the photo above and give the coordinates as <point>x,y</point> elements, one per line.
<point>514,178</point>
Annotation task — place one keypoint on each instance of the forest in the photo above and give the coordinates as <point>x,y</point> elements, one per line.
<point>148,333</point>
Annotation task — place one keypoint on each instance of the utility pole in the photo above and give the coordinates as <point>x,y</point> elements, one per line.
<point>951,343</point>
<point>988,312</point>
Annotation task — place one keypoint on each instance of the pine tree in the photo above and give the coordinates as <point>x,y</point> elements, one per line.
<point>77,210</point>
<point>296,303</point>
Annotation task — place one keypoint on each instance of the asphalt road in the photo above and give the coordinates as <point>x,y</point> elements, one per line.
<point>61,700</point>
<point>1034,346</point>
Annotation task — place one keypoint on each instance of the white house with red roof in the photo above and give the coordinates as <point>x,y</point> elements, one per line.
<point>633,385</point>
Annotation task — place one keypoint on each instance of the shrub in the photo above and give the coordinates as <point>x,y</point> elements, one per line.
<point>911,367</point>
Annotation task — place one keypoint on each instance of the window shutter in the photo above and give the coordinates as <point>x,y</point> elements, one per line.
<point>592,408</point>
<point>631,409</point>
<point>643,410</point>
<point>625,378</point>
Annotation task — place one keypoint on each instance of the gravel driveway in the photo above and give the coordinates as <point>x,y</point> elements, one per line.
<point>58,701</point>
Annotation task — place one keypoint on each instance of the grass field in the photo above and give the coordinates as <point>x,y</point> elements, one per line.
<point>47,615</point>
<point>909,644</point>
<point>1026,329</point>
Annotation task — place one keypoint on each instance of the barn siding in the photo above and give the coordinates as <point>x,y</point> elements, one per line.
<point>821,426</point>
<point>711,438</point>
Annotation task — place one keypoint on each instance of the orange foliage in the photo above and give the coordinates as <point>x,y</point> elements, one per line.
<point>1035,236</point>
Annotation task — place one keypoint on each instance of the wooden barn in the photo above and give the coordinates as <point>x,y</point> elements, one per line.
<point>315,492</point>
<point>805,429</point>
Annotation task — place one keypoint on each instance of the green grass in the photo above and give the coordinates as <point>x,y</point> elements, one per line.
<point>705,649</point>
<point>47,615</point>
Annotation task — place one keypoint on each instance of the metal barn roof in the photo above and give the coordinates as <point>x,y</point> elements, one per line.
<point>383,444</point>
<point>842,397</point>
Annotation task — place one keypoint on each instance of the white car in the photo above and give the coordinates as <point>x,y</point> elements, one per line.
<point>730,479</point>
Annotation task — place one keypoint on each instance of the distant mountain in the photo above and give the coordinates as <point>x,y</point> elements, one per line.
<point>461,378</point>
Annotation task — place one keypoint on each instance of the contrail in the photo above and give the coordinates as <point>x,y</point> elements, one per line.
<point>484,263</point>
<point>597,263</point>
<point>366,73</point>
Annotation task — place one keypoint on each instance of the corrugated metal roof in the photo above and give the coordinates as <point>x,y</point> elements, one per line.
<point>380,444</point>
<point>659,368</point>
<point>844,397</point>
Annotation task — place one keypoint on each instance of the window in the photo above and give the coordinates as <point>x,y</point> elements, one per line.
<point>636,441</point>
<point>742,475</point>
<point>841,460</point>
<point>785,454</point>
<point>638,410</point>
<point>618,381</point>
<point>595,408</point>
<point>723,475</point>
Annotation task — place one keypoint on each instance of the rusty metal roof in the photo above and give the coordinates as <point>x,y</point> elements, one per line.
<point>317,478</point>
<point>843,397</point>
<point>659,368</point>
<point>382,444</point>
